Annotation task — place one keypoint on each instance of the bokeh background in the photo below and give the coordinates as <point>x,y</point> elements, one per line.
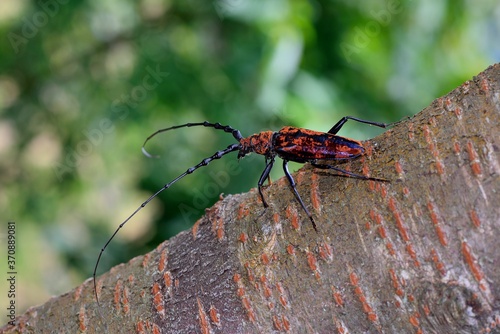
<point>83,83</point>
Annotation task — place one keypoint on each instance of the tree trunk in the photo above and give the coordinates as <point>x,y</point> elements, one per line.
<point>415,255</point>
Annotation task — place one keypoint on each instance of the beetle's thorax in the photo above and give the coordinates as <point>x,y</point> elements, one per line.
<point>260,143</point>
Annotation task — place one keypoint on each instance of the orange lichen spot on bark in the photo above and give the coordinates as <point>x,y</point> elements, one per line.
<point>125,300</point>
<point>414,320</point>
<point>218,226</point>
<point>315,193</point>
<point>399,168</point>
<point>265,286</point>
<point>264,258</point>
<point>399,220</point>
<point>286,323</point>
<point>473,265</point>
<point>427,310</point>
<point>78,292</point>
<point>290,249</point>
<point>368,226</point>
<point>158,300</point>
<point>475,164</point>
<point>448,103</point>
<point>382,232</point>
<point>243,237</point>
<point>248,307</point>
<point>146,326</point>
<point>341,328</point>
<point>485,85</point>
<point>140,327</point>
<point>292,216</point>
<point>281,323</point>
<point>390,248</point>
<point>162,262</point>
<point>277,323</point>
<point>236,278</point>
<point>437,262</point>
<point>156,329</point>
<point>283,298</point>
<point>240,292</point>
<point>370,313</point>
<point>243,211</point>
<point>395,283</point>
<point>383,190</point>
<point>411,131</point>
<point>475,218</point>
<point>325,251</point>
<point>365,169</point>
<point>300,176</point>
<point>313,264</point>
<point>167,279</point>
<point>250,274</point>
<point>456,147</point>
<point>276,218</point>
<point>214,316</point>
<point>82,320</point>
<point>413,254</point>
<point>116,294</point>
<point>145,260</point>
<point>203,318</point>
<point>434,150</point>
<point>437,225</point>
<point>368,150</point>
<point>194,229</point>
<point>337,297</point>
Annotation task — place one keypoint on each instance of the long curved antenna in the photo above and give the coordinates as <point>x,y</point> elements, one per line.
<point>204,162</point>
<point>226,128</point>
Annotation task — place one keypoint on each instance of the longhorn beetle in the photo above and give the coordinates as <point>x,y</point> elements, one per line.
<point>289,143</point>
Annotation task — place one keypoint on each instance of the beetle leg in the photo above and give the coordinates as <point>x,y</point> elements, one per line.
<point>263,177</point>
<point>343,171</point>
<point>336,128</point>
<point>296,193</point>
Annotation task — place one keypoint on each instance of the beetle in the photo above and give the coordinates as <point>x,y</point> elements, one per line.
<point>289,144</point>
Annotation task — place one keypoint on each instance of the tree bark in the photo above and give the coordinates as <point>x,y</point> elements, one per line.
<point>418,254</point>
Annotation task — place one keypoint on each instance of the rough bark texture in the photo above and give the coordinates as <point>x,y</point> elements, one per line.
<point>417,255</point>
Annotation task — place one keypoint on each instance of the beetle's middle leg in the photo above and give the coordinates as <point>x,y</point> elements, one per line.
<point>263,177</point>
<point>296,193</point>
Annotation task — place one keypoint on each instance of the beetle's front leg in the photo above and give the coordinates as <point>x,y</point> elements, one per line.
<point>263,177</point>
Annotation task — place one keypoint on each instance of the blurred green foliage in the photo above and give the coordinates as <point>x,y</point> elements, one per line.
<point>83,83</point>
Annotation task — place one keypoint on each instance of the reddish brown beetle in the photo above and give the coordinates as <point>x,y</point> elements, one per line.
<point>289,143</point>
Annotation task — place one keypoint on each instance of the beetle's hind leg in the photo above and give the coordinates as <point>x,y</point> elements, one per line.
<point>336,128</point>
<point>347,173</point>
<point>296,193</point>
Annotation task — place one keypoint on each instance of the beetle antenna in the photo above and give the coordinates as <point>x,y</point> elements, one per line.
<point>204,162</point>
<point>226,128</point>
